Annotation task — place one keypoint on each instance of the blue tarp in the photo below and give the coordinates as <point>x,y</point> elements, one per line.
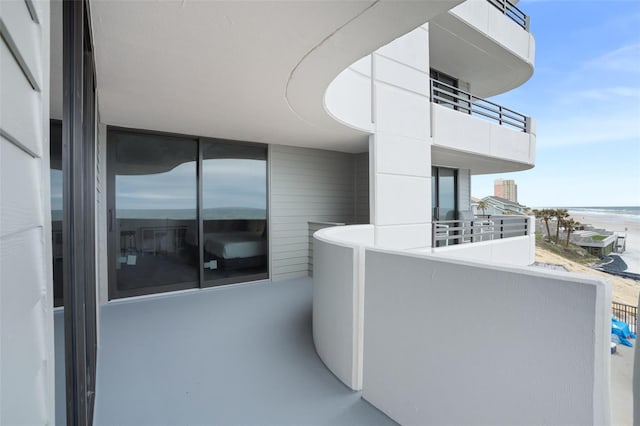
<point>621,332</point>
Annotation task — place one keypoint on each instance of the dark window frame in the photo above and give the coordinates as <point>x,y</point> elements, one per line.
<point>113,291</point>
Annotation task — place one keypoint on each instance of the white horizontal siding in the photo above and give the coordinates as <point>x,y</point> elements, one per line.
<point>306,185</point>
<point>26,289</point>
<point>362,188</point>
<point>313,227</point>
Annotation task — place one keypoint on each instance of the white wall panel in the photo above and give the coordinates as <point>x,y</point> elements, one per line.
<point>403,236</point>
<point>403,155</point>
<point>401,112</point>
<point>398,74</point>
<point>402,200</point>
<point>455,130</point>
<point>503,355</point>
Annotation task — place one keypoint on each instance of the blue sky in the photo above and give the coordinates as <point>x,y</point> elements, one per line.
<point>585,96</point>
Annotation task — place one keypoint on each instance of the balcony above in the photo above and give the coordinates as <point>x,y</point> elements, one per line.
<point>485,43</point>
<point>472,133</point>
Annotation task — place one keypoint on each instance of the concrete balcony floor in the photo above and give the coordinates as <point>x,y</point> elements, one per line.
<point>239,355</point>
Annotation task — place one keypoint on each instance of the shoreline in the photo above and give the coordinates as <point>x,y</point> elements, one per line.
<point>623,290</point>
<point>628,224</point>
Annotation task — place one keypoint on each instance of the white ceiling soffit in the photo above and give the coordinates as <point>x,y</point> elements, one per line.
<point>242,70</point>
<point>489,67</point>
<point>478,164</point>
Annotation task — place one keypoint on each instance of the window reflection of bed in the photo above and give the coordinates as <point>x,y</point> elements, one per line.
<point>233,244</point>
<point>235,250</point>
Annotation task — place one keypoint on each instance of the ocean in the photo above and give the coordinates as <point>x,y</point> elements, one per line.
<point>624,213</point>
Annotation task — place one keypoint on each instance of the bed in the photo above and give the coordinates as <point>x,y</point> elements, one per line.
<point>235,250</point>
<point>232,244</point>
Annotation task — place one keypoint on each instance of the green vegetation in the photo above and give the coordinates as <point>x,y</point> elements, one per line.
<point>598,237</point>
<point>570,251</point>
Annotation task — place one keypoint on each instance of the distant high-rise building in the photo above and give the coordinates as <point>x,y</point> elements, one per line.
<point>506,188</point>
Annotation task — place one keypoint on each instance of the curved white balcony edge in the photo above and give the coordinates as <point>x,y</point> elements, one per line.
<point>465,141</point>
<point>376,26</point>
<point>496,54</point>
<point>441,332</point>
<point>338,299</point>
<point>513,251</point>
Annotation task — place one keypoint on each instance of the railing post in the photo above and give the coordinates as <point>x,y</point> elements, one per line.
<point>527,23</point>
<point>527,124</point>
<point>431,90</point>
<point>433,234</point>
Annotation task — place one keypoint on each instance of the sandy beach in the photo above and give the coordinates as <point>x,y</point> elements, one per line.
<point>623,290</point>
<point>618,223</point>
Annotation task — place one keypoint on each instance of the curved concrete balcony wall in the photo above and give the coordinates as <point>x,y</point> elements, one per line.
<point>454,342</point>
<point>463,141</point>
<point>478,44</point>
<point>338,284</point>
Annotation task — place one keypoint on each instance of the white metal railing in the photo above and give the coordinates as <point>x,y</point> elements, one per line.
<point>452,97</point>
<point>511,10</point>
<point>482,228</point>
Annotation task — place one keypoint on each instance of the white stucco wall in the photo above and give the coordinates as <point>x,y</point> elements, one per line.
<point>516,251</point>
<point>338,286</point>
<point>463,132</point>
<point>456,342</point>
<point>401,145</point>
<point>26,277</point>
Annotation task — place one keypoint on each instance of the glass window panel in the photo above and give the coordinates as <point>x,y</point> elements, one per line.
<point>55,178</point>
<point>234,198</point>
<point>156,232</point>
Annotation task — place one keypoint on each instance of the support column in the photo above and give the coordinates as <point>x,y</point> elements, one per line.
<point>401,145</point>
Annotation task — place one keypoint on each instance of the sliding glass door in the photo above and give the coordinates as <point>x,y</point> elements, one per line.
<point>153,216</point>
<point>234,198</point>
<point>184,212</point>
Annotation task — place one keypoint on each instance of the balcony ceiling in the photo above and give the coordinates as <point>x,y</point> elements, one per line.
<point>242,70</point>
<point>488,66</point>
<point>478,164</point>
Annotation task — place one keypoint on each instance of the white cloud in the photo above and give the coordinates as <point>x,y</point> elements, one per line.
<point>626,59</point>
<point>590,127</point>
<point>607,94</point>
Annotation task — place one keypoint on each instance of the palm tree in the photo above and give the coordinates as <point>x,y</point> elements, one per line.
<point>545,215</point>
<point>560,215</point>
<point>570,225</point>
<point>482,205</point>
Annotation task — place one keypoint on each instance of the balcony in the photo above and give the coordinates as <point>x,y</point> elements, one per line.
<point>503,239</point>
<point>439,338</point>
<point>240,355</point>
<point>459,100</point>
<point>474,133</point>
<point>512,12</point>
<point>482,228</point>
<point>484,43</point>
